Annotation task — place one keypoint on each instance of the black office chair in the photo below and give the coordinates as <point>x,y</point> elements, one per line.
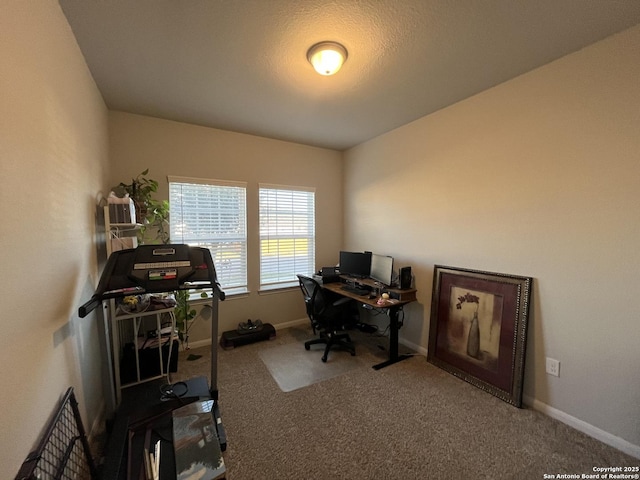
<point>330,314</point>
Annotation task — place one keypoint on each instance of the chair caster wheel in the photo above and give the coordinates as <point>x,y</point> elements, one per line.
<point>324,359</point>
<point>307,347</point>
<point>353,354</point>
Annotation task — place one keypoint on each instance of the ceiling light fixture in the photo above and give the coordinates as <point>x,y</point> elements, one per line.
<point>327,57</point>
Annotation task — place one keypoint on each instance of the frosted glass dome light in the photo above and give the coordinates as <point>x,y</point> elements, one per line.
<point>327,57</point>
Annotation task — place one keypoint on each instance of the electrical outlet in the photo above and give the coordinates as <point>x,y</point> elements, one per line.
<point>553,367</point>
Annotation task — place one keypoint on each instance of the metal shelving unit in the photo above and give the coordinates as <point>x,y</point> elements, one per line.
<point>131,330</point>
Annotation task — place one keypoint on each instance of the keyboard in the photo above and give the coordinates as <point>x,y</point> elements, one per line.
<point>356,290</point>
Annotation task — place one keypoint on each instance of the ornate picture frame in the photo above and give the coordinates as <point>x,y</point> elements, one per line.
<point>478,328</point>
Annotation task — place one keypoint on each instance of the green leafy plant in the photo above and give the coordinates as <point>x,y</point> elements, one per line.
<point>185,315</point>
<point>151,213</point>
<point>140,190</point>
<point>158,218</point>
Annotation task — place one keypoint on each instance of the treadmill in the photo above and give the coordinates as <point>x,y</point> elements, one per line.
<point>162,269</point>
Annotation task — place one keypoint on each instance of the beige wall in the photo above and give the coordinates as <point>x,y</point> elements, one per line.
<point>539,177</point>
<point>53,157</point>
<point>172,148</point>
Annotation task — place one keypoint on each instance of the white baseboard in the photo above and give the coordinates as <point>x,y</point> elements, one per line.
<point>418,348</point>
<point>280,326</point>
<point>199,343</point>
<point>293,323</point>
<point>98,427</point>
<point>99,423</point>
<point>584,427</point>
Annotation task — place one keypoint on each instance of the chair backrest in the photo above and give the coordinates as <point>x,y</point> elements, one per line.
<point>314,299</point>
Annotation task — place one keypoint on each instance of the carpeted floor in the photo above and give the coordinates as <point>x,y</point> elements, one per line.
<point>407,421</point>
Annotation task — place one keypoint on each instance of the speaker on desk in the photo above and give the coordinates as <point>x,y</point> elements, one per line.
<point>405,278</point>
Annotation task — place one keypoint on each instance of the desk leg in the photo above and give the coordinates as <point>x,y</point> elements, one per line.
<point>393,340</point>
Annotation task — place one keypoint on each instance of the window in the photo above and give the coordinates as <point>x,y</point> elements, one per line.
<point>213,214</point>
<point>287,235</point>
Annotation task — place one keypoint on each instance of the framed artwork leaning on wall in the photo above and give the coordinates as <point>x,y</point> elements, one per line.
<point>478,328</point>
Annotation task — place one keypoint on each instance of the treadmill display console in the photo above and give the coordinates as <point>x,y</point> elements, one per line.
<point>154,269</point>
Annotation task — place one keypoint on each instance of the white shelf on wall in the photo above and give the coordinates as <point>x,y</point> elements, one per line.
<point>118,232</point>
<point>125,226</point>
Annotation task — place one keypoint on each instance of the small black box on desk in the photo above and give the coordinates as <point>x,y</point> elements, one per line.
<point>328,275</point>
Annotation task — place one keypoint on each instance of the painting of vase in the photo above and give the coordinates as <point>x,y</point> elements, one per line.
<point>474,326</point>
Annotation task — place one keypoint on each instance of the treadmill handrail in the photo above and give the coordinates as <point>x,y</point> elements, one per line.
<point>101,292</point>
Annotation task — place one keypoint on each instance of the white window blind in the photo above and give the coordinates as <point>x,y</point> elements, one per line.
<point>287,234</point>
<point>213,214</point>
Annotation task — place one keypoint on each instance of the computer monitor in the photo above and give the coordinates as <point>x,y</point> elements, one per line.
<point>382,269</point>
<point>355,264</point>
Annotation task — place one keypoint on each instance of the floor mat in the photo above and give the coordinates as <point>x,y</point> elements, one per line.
<point>293,367</point>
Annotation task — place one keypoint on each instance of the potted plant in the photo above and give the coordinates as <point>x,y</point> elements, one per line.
<point>149,212</point>
<point>140,190</point>
<point>185,314</point>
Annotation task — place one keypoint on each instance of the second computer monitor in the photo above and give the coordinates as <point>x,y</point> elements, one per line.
<point>382,269</point>
<point>355,264</point>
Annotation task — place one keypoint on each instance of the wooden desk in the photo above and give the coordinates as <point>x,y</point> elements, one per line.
<point>398,298</point>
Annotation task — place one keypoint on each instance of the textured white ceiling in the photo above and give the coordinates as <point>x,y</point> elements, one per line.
<point>241,65</point>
